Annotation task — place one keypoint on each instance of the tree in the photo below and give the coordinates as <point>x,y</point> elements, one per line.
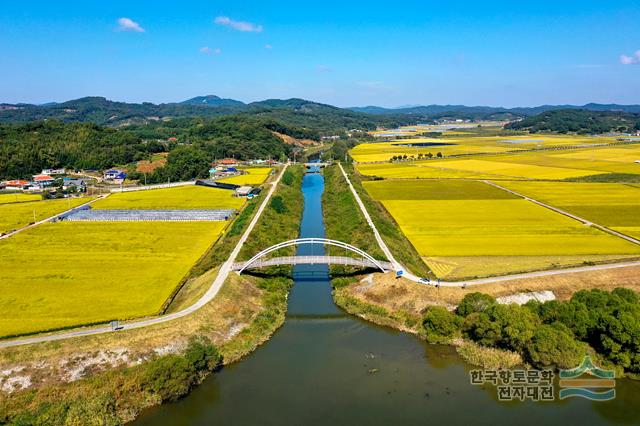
<point>474,302</point>
<point>440,324</point>
<point>188,162</point>
<point>554,346</point>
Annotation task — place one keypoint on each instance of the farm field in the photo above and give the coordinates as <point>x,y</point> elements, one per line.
<point>455,144</point>
<point>548,165</point>
<point>255,176</point>
<point>94,272</point>
<point>184,197</point>
<point>466,229</point>
<point>17,215</point>
<point>613,205</point>
<point>18,197</point>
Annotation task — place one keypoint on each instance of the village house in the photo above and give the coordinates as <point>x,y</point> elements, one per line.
<point>74,183</point>
<point>43,180</point>
<point>114,175</point>
<point>16,184</point>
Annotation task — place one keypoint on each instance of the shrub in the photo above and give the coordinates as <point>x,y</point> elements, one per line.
<point>278,204</point>
<point>440,325</point>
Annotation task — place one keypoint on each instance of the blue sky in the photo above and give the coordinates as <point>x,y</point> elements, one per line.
<point>505,53</point>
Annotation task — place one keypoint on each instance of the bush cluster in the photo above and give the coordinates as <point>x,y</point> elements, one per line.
<point>549,334</point>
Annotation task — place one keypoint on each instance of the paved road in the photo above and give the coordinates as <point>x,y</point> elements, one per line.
<point>48,219</point>
<point>223,273</point>
<point>408,275</point>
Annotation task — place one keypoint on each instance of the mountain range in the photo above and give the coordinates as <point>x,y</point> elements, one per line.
<point>303,113</point>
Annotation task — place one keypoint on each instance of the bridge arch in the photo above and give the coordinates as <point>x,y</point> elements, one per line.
<point>317,241</point>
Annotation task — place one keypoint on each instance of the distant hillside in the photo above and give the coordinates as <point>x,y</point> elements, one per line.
<point>579,121</point>
<point>212,100</point>
<point>461,110</point>
<point>318,119</point>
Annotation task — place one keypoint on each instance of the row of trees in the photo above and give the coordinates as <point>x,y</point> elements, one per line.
<point>420,156</point>
<point>547,334</point>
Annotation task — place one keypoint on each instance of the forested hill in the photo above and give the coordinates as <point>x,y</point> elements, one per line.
<point>434,110</point>
<point>321,118</point>
<point>579,121</point>
<point>25,149</point>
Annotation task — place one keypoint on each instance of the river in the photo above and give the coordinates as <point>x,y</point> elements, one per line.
<point>326,367</point>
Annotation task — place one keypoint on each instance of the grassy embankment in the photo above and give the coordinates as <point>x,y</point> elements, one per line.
<point>389,229</point>
<point>243,315</point>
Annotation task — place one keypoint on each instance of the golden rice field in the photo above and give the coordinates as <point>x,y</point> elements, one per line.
<point>467,228</point>
<point>459,144</point>
<point>613,205</point>
<point>19,197</point>
<point>254,176</point>
<point>183,197</point>
<point>545,165</point>
<point>66,274</point>
<point>17,215</point>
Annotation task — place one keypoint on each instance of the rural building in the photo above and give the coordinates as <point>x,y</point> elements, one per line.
<point>53,171</point>
<point>78,184</point>
<point>16,184</point>
<point>226,162</point>
<point>43,180</point>
<point>117,176</point>
<point>243,191</point>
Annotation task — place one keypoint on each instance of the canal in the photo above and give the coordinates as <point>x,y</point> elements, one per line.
<point>327,367</point>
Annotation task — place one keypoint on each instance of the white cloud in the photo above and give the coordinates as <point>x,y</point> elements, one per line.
<point>630,60</point>
<point>238,25</point>
<point>268,46</point>
<point>126,24</point>
<point>208,51</point>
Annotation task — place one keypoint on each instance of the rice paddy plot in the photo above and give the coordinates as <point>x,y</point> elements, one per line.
<point>18,215</point>
<point>253,176</point>
<point>74,273</point>
<point>607,204</point>
<point>18,197</point>
<point>434,190</point>
<point>506,169</point>
<point>184,197</point>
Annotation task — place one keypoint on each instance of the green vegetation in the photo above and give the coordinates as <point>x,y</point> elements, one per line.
<point>342,216</point>
<point>549,334</point>
<point>579,121</point>
<point>280,221</point>
<point>440,324</point>
<point>117,396</point>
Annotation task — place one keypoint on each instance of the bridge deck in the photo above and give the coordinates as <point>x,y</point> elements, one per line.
<point>312,260</point>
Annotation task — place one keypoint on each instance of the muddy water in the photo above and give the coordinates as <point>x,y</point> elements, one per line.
<point>326,367</point>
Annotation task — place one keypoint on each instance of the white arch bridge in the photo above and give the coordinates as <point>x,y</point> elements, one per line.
<point>361,258</point>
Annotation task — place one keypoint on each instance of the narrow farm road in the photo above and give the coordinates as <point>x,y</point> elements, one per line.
<point>213,290</point>
<point>408,275</point>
